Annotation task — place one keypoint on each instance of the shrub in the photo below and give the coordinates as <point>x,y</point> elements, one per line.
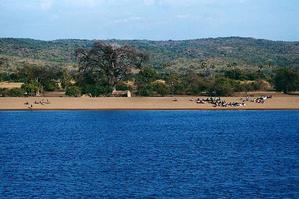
<point>15,92</point>
<point>31,88</point>
<point>122,87</point>
<point>221,87</point>
<point>5,77</point>
<point>286,80</point>
<point>3,92</point>
<point>199,85</point>
<point>96,90</point>
<point>145,90</point>
<point>161,88</point>
<point>261,85</point>
<point>73,91</point>
<point>147,75</point>
<point>234,74</point>
<point>50,86</point>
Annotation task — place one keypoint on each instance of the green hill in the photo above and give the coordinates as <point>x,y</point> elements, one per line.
<point>167,55</point>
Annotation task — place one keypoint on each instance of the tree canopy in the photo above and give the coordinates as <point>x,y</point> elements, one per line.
<point>286,80</point>
<point>109,63</point>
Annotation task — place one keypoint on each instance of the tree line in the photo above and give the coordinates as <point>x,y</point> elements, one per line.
<point>105,67</point>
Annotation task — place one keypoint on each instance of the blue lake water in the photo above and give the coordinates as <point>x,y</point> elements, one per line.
<point>149,154</point>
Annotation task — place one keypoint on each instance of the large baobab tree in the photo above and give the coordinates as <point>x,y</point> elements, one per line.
<point>109,63</point>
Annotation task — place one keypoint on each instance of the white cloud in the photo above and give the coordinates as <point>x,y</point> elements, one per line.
<point>182,16</point>
<point>149,2</point>
<point>46,4</point>
<point>84,3</point>
<point>176,2</point>
<point>126,20</point>
<point>191,2</point>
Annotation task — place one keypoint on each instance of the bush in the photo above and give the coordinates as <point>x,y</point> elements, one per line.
<point>161,88</point>
<point>261,85</point>
<point>199,85</point>
<point>31,88</point>
<point>96,90</point>
<point>238,74</point>
<point>3,92</point>
<point>122,87</point>
<point>5,77</point>
<point>145,90</point>
<point>50,86</point>
<point>15,92</point>
<point>237,86</point>
<point>73,91</point>
<point>286,80</point>
<point>221,87</point>
<point>249,87</point>
<point>147,75</point>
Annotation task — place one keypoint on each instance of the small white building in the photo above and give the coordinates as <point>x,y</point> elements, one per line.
<point>126,93</point>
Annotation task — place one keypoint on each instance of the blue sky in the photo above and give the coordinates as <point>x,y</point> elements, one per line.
<point>149,19</point>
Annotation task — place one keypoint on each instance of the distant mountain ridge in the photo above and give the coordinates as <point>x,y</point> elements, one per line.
<point>173,55</point>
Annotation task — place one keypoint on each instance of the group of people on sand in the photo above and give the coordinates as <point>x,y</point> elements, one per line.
<point>259,100</point>
<point>41,102</point>
<point>218,102</point>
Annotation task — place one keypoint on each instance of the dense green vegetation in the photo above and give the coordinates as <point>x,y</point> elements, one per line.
<point>15,92</point>
<point>286,80</point>
<point>215,67</point>
<point>197,55</point>
<point>73,91</point>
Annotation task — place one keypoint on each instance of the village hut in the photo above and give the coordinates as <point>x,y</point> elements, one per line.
<point>126,93</point>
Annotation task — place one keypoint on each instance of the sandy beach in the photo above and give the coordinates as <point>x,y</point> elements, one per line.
<point>141,103</point>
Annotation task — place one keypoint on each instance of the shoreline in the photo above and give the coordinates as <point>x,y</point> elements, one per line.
<point>284,102</point>
<point>214,109</point>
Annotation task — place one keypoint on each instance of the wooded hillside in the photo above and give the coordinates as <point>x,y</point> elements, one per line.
<point>164,55</point>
